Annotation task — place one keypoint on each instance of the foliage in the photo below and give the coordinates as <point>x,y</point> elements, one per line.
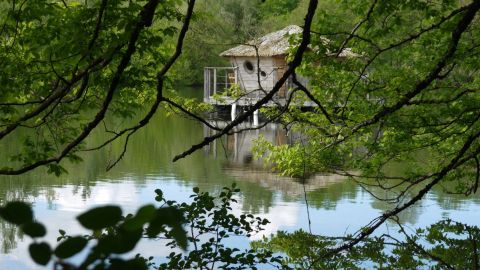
<point>394,82</point>
<point>68,65</point>
<point>210,223</point>
<point>402,88</point>
<point>217,25</point>
<point>295,160</point>
<point>275,8</point>
<point>444,245</point>
<point>112,235</point>
<point>233,92</point>
<point>209,220</point>
<point>358,90</point>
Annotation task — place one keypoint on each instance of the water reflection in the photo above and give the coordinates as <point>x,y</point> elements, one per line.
<point>337,204</point>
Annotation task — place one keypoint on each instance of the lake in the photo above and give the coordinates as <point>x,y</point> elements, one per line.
<point>336,205</point>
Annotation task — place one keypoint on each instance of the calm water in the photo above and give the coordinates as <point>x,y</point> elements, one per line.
<point>337,206</point>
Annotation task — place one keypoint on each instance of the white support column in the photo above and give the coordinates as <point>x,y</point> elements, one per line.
<point>214,81</point>
<point>233,113</point>
<point>255,118</point>
<point>235,147</point>
<point>236,75</point>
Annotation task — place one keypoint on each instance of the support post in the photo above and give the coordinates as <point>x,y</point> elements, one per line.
<point>236,75</point>
<point>255,118</point>
<point>214,81</point>
<point>233,113</point>
<point>235,147</point>
<point>206,89</point>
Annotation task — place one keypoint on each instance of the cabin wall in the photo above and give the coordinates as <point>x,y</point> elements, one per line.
<point>248,79</point>
<point>281,64</point>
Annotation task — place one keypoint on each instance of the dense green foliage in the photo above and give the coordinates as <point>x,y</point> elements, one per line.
<point>397,104</point>
<point>63,60</point>
<point>395,82</point>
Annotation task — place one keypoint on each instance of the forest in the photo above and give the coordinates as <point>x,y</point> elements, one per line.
<point>95,93</point>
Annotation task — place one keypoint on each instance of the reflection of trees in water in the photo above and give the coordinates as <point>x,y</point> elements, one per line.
<point>9,235</point>
<point>328,197</point>
<point>453,201</point>
<point>256,200</point>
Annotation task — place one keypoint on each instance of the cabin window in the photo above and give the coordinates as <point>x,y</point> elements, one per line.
<point>248,66</point>
<point>263,73</point>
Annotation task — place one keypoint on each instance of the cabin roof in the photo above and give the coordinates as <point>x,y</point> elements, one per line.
<point>276,44</point>
<point>272,44</point>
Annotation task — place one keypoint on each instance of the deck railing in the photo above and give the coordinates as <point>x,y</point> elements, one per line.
<point>217,80</point>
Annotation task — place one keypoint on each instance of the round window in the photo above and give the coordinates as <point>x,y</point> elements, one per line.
<point>263,73</point>
<point>248,66</point>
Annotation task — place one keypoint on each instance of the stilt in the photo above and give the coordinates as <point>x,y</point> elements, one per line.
<point>233,113</point>
<point>255,118</point>
<point>235,147</point>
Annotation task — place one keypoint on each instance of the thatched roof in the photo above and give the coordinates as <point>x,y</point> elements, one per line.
<point>275,44</point>
<point>272,44</point>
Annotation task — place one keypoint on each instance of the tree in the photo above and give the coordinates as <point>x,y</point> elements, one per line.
<point>394,82</point>
<point>64,60</point>
<point>217,25</point>
<point>407,92</point>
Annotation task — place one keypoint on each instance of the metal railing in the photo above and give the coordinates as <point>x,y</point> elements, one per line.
<point>217,80</point>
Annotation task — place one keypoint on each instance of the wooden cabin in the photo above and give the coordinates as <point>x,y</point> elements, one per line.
<point>255,68</point>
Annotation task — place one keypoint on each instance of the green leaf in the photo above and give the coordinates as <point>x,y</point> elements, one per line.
<point>40,252</point>
<point>70,247</point>
<point>144,215</point>
<point>159,196</point>
<point>173,218</point>
<point>34,229</point>
<point>17,213</point>
<point>180,235</point>
<point>100,217</point>
<point>122,242</point>
<point>136,263</point>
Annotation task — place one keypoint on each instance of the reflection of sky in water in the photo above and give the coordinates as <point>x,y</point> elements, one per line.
<point>347,215</point>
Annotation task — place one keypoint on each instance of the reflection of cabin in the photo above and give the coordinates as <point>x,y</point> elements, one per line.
<point>238,146</point>
<point>255,68</point>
